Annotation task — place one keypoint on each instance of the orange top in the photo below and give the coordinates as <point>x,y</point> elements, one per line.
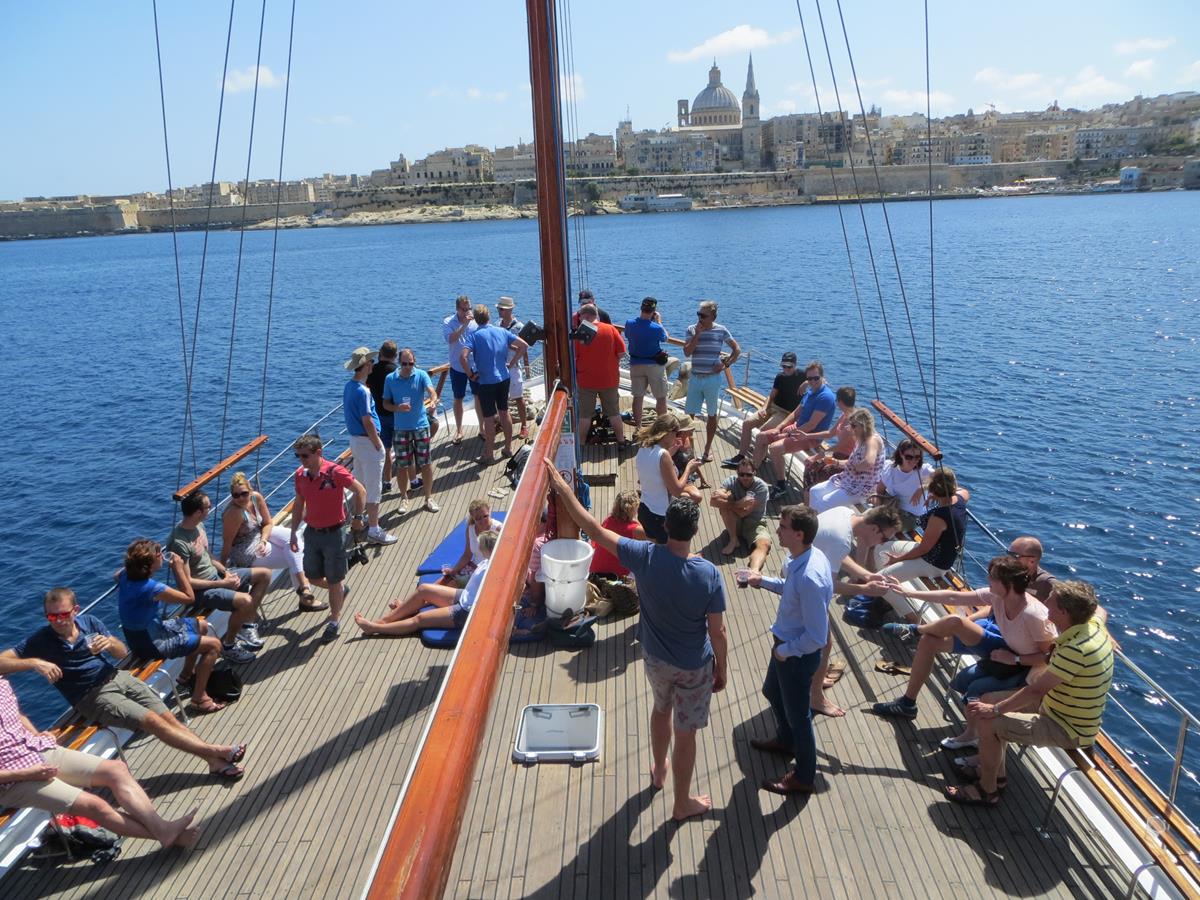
<point>597,365</point>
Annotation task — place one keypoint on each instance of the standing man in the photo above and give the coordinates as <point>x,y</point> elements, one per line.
<point>520,368</point>
<point>742,502</point>
<point>784,398</point>
<point>799,634</point>
<point>682,632</point>
<point>815,413</point>
<point>238,592</point>
<point>586,296</point>
<point>598,372</point>
<point>455,329</point>
<point>70,653</point>
<point>366,444</point>
<point>384,366</point>
<point>645,336</point>
<point>704,342</point>
<point>405,393</point>
<point>494,349</point>
<point>321,504</point>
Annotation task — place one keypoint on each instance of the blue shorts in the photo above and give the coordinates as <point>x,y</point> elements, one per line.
<point>387,430</point>
<point>973,683</point>
<point>460,612</point>
<point>704,390</point>
<point>990,641</point>
<point>458,384</point>
<point>222,598</point>
<point>166,639</point>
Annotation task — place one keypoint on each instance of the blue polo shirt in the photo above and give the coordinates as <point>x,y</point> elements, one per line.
<point>490,346</point>
<point>356,403</point>
<point>823,401</point>
<point>82,670</point>
<point>644,337</point>
<point>137,602</point>
<point>416,388</point>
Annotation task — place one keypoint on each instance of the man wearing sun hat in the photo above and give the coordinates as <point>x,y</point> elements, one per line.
<point>362,424</point>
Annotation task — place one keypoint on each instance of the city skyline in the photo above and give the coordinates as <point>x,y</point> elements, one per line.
<point>366,89</point>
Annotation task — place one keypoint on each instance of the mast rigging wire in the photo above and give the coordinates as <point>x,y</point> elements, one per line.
<point>566,52</point>
<point>933,343</point>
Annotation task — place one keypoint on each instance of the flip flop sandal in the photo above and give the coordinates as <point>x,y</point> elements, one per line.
<point>314,606</point>
<point>833,676</point>
<point>970,774</point>
<point>888,667</point>
<point>238,754</point>
<point>958,794</point>
<point>456,441</point>
<point>210,707</point>
<point>837,665</point>
<point>229,772</point>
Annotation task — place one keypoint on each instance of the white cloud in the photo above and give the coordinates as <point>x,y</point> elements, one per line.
<point>1190,75</point>
<point>736,40</point>
<point>240,80</point>
<point>573,89</point>
<point>474,93</point>
<point>786,106</point>
<point>335,119</point>
<point>1090,85</point>
<point>1142,45</point>
<point>904,102</point>
<point>1142,68</point>
<point>439,91</point>
<point>1009,81</point>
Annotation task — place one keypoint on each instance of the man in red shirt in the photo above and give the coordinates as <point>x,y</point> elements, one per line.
<point>320,504</point>
<point>598,372</point>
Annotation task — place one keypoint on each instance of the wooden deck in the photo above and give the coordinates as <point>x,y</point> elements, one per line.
<point>332,729</point>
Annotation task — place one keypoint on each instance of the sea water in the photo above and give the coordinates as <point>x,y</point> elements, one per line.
<point>1063,379</point>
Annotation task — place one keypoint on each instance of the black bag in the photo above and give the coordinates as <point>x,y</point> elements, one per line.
<point>600,431</point>
<point>662,357</point>
<point>224,684</point>
<point>516,464</point>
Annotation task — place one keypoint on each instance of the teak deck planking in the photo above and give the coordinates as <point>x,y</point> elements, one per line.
<point>332,729</point>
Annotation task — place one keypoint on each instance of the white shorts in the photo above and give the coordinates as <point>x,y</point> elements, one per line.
<point>368,466</point>
<point>516,382</point>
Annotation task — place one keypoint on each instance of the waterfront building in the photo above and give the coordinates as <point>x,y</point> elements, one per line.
<point>1050,144</point>
<point>269,191</point>
<point>511,164</point>
<point>594,156</point>
<point>667,152</point>
<point>1115,143</point>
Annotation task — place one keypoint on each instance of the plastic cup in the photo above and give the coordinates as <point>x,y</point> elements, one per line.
<point>92,642</point>
<point>742,577</point>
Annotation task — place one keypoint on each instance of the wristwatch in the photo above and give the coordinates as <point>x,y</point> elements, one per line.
<point>360,517</point>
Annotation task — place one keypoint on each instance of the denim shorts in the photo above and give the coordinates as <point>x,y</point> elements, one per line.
<point>387,429</point>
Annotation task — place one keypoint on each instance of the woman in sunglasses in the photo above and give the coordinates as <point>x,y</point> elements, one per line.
<point>250,538</point>
<point>904,477</point>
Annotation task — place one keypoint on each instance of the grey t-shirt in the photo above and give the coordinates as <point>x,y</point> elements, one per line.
<point>192,546</point>
<point>757,487</point>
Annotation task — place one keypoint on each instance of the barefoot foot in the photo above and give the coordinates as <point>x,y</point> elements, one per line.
<point>659,776</point>
<point>368,627</point>
<point>187,838</point>
<point>692,806</point>
<point>825,708</point>
<point>729,550</point>
<point>176,828</point>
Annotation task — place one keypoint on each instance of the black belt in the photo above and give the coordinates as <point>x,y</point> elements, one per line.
<point>336,527</point>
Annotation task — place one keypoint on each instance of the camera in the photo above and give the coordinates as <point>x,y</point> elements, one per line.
<point>531,333</point>
<point>357,555</point>
<point>584,332</point>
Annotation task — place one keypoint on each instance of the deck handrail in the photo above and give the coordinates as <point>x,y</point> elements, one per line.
<point>416,857</point>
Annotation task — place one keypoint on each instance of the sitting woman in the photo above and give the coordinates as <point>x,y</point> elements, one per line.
<point>685,452</point>
<point>944,528</point>
<point>856,482</point>
<point>821,467</point>
<point>405,617</point>
<point>904,477</point>
<point>623,521</point>
<point>656,472</point>
<point>1010,636</point>
<point>250,538</point>
<point>140,602</point>
<point>479,520</point>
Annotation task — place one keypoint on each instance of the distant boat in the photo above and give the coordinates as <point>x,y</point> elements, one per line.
<point>654,202</point>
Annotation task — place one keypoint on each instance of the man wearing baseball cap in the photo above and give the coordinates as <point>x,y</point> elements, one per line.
<point>519,370</point>
<point>362,424</point>
<point>784,398</point>
<point>645,336</point>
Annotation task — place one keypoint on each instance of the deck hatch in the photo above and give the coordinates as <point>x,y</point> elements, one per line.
<point>559,732</point>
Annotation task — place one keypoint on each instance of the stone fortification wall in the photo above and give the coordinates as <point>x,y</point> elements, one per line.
<point>59,222</point>
<point>222,216</point>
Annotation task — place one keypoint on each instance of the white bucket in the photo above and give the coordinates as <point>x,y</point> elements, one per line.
<point>565,564</point>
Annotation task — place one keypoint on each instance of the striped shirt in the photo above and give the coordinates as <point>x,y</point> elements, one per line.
<point>18,748</point>
<point>707,354</point>
<point>1083,659</point>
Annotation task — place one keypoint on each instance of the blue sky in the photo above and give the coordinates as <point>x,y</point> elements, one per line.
<point>374,79</point>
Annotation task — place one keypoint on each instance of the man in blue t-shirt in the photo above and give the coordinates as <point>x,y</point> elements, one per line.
<point>797,430</point>
<point>682,632</point>
<point>645,336</point>
<point>405,393</point>
<point>73,653</point>
<point>366,444</point>
<point>494,350</point>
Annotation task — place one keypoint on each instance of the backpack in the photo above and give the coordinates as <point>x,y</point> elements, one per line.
<point>600,430</point>
<point>865,612</point>
<point>224,684</point>
<point>72,837</point>
<point>516,464</point>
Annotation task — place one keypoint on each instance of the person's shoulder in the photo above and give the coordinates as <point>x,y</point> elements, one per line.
<point>34,643</point>
<point>91,624</point>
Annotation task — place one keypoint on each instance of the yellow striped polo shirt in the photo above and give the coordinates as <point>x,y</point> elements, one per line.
<point>1083,659</point>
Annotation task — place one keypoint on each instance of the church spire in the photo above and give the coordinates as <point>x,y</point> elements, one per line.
<point>750,88</point>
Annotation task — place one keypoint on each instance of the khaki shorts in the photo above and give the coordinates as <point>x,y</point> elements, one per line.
<point>650,376</point>
<point>122,702</point>
<point>75,772</point>
<point>753,530</point>
<point>610,402</point>
<point>766,419</point>
<point>686,691</point>
<point>1034,729</point>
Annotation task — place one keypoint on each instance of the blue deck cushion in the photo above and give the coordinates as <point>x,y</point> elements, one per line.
<point>523,632</point>
<point>448,551</point>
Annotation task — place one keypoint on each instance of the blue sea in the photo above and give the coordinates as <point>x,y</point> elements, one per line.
<point>1066,365</point>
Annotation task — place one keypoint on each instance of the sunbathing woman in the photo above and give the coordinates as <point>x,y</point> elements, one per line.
<point>405,617</point>
<point>479,520</point>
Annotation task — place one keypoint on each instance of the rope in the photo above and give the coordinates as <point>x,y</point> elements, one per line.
<point>883,205</point>
<point>237,278</point>
<point>933,424</point>
<point>863,216</point>
<point>571,124</point>
<point>187,375</point>
<point>841,217</point>
<point>287,85</point>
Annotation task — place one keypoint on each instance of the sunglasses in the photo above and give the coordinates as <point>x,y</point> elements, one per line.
<point>238,495</point>
<point>745,474</point>
<point>813,378</point>
<point>407,365</point>
<point>702,315</point>
<point>788,366</point>
<point>911,457</point>
<point>62,616</point>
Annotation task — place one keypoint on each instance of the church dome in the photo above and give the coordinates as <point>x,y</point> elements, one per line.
<point>716,97</point>
<point>716,104</point>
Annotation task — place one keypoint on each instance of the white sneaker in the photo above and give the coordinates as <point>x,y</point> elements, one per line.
<point>432,507</point>
<point>249,638</point>
<point>402,509</point>
<point>377,535</point>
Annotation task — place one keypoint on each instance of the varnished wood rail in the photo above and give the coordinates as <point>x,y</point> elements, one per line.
<point>893,417</point>
<point>224,465</point>
<point>417,856</point>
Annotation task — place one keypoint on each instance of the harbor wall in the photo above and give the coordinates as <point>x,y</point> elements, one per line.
<point>52,221</point>
<point>222,216</point>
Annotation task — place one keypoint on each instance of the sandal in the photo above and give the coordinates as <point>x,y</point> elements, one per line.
<point>238,754</point>
<point>707,457</point>
<point>228,773</point>
<point>311,603</point>
<point>970,772</point>
<point>888,667</point>
<point>981,797</point>
<point>208,707</point>
<point>457,440</point>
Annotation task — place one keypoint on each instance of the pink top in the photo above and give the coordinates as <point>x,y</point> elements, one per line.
<point>324,493</point>
<point>602,560</point>
<point>1024,631</point>
<point>18,748</point>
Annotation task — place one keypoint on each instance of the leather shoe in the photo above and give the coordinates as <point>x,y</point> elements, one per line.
<point>770,746</point>
<point>787,785</point>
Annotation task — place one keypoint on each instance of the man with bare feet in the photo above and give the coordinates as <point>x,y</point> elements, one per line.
<point>70,652</point>
<point>682,632</point>
<point>800,633</point>
<point>742,502</point>
<point>405,617</point>
<point>36,772</point>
